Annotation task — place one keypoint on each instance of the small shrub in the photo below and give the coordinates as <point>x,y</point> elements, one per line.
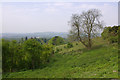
<point>64,46</point>
<point>111,34</point>
<point>57,50</point>
<point>69,45</point>
<point>76,43</point>
<point>113,39</point>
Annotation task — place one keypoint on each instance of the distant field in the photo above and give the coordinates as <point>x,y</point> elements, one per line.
<point>78,62</point>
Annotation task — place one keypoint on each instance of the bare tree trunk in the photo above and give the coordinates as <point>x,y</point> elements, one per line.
<point>80,37</point>
<point>83,43</point>
<point>86,23</point>
<point>89,41</point>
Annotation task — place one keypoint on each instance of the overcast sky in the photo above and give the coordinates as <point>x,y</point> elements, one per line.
<point>25,17</point>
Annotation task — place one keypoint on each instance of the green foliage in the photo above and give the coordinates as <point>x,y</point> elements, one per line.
<point>0,58</point>
<point>105,33</point>
<point>33,51</point>
<point>111,34</point>
<point>5,55</point>
<point>64,46</point>
<point>99,62</point>
<point>29,54</point>
<point>47,51</point>
<point>69,45</point>
<point>57,40</point>
<point>119,36</point>
<point>57,50</point>
<point>113,39</point>
<point>76,43</point>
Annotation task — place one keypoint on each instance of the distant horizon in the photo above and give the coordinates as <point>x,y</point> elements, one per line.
<point>47,31</point>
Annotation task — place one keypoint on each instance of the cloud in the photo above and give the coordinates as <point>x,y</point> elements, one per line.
<point>57,7</point>
<point>108,10</point>
<point>34,17</point>
<point>51,10</point>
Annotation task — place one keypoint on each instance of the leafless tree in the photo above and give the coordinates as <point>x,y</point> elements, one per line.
<point>85,26</point>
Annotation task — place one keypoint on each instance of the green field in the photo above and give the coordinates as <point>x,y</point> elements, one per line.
<point>0,59</point>
<point>78,62</point>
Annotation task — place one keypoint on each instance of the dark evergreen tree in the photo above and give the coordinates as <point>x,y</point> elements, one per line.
<point>26,38</point>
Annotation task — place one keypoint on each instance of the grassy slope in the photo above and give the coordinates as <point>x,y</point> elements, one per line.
<point>0,59</point>
<point>76,62</point>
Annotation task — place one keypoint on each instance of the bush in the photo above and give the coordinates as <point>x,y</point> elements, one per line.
<point>57,40</point>
<point>57,50</point>
<point>76,43</point>
<point>113,39</point>
<point>111,34</point>
<point>69,45</point>
<point>64,46</point>
<point>24,56</point>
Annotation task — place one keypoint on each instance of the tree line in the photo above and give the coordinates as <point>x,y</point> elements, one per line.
<point>111,34</point>
<point>29,54</point>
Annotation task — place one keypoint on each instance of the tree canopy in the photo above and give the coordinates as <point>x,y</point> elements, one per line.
<point>57,40</point>
<point>111,34</point>
<point>84,26</point>
<point>29,54</point>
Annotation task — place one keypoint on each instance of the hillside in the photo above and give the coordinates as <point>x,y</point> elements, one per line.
<point>57,40</point>
<point>0,59</point>
<point>78,62</point>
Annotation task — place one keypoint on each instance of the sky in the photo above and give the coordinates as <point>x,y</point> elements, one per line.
<point>119,13</point>
<point>30,17</point>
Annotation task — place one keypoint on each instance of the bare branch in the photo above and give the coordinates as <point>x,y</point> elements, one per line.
<point>86,24</point>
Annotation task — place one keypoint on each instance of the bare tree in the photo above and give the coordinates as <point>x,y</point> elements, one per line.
<point>85,26</point>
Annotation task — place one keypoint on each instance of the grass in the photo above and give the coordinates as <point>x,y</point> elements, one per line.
<point>78,62</point>
<point>0,66</point>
